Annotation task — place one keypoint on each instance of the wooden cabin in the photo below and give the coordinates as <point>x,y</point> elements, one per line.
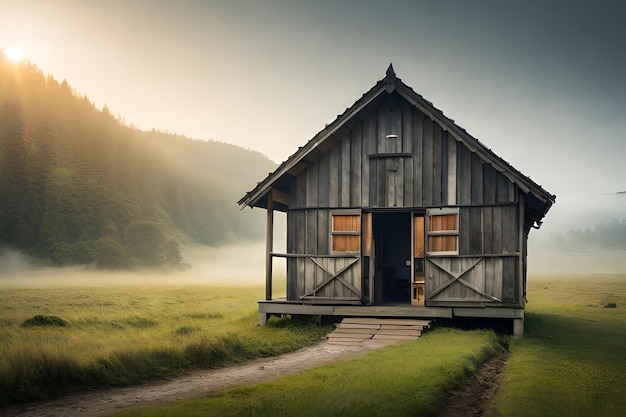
<point>395,211</point>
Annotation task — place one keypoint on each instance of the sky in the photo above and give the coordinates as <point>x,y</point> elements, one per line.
<point>540,82</point>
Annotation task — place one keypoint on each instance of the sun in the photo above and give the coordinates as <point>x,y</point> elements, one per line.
<point>14,53</point>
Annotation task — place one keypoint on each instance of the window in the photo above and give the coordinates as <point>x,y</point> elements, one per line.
<point>345,233</point>
<point>443,231</point>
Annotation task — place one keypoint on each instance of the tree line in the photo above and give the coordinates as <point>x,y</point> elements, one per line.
<point>78,186</point>
<point>609,235</point>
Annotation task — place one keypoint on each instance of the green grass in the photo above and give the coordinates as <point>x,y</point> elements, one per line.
<point>113,336</point>
<point>572,360</point>
<point>410,379</point>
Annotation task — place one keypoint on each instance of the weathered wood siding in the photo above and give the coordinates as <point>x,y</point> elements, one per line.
<point>308,235</point>
<point>394,155</point>
<point>423,167</point>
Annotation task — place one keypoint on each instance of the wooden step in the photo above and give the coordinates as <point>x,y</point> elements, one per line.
<point>358,330</point>
<point>399,322</point>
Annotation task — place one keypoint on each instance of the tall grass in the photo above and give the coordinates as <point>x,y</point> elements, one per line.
<point>572,360</point>
<point>126,335</point>
<point>411,379</point>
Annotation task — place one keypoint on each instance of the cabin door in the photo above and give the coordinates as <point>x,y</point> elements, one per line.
<point>392,248</point>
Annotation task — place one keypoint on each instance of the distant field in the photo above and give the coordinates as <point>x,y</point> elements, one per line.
<point>119,335</point>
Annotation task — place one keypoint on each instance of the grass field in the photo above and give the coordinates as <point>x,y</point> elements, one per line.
<point>410,379</point>
<point>127,334</point>
<point>572,360</point>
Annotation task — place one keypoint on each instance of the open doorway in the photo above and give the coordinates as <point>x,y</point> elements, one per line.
<point>392,274</point>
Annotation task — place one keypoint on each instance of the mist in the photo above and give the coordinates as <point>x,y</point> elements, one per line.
<point>237,264</point>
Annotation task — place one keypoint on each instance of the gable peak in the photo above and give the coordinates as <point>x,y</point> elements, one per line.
<point>390,72</point>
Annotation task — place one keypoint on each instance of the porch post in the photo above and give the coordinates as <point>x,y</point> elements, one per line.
<point>269,246</point>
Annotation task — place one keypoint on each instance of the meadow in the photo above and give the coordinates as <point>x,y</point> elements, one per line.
<point>59,340</point>
<point>571,360</point>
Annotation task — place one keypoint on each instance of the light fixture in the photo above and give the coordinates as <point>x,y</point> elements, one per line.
<point>392,136</point>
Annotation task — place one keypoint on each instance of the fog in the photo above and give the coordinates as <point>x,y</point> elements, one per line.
<point>244,263</point>
<point>240,264</point>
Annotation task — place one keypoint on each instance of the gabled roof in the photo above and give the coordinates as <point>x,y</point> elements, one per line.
<point>387,85</point>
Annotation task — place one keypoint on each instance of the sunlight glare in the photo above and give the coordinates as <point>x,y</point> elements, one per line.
<point>14,53</point>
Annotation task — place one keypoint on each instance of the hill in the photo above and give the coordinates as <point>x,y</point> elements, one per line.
<point>78,186</point>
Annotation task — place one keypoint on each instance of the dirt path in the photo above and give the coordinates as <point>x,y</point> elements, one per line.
<point>475,398</point>
<point>478,394</point>
<point>193,385</point>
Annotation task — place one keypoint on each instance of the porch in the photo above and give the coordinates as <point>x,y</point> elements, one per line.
<point>268,308</point>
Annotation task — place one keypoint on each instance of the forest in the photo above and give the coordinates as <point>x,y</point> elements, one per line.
<point>602,235</point>
<point>80,186</point>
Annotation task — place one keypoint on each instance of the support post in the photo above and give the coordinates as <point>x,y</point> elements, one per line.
<point>518,327</point>
<point>269,246</point>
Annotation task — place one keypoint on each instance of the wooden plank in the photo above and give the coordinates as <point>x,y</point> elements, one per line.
<point>393,337</point>
<point>489,184</point>
<point>346,342</point>
<point>465,177</point>
<point>311,231</point>
<point>400,180</point>
<point>312,198</point>
<point>509,280</point>
<point>464,231</point>
<point>392,181</point>
<point>497,230</point>
<point>301,190</point>
<point>444,168</point>
<point>323,232</point>
<point>269,246</point>
<point>427,163</point>
<point>345,171</point>
<point>407,147</point>
<point>300,242</point>
<point>347,336</point>
<point>323,181</point>
<point>477,179</point>
<point>381,172</point>
<point>359,326</point>
<point>292,265</point>
<point>476,231</point>
<point>366,220</point>
<point>334,171</point>
<point>401,327</point>
<point>407,127</point>
<point>366,131</point>
<point>502,188</point>
<point>497,282</point>
<point>452,192</point>
<point>382,129</point>
<point>344,330</point>
<point>404,332</point>
<point>356,140</point>
<point>418,135</point>
<point>372,320</point>
<point>490,278</point>
<point>437,164</point>
<point>487,219</point>
<point>418,235</point>
<point>509,229</point>
<point>373,183</point>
